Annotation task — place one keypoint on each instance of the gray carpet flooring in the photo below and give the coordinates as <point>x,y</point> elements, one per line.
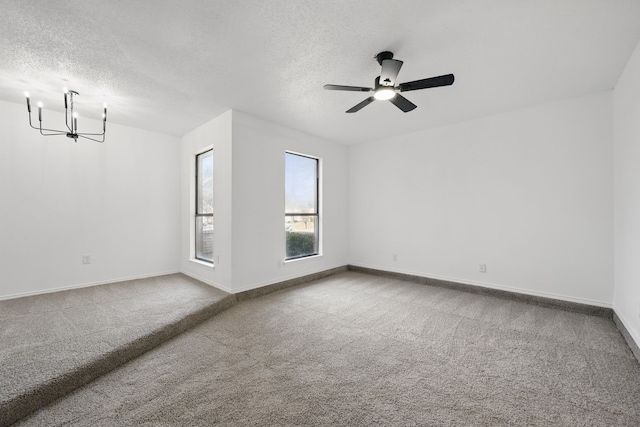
<point>53,343</point>
<point>354,349</point>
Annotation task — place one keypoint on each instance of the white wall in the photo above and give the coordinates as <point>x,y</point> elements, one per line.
<point>626,117</point>
<point>214,134</point>
<point>59,200</point>
<point>258,202</point>
<point>248,162</point>
<point>529,193</point>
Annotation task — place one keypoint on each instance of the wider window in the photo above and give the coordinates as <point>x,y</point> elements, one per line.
<point>204,206</point>
<point>301,213</point>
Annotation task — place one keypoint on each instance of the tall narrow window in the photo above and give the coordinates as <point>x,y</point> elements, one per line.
<point>301,214</point>
<point>204,206</point>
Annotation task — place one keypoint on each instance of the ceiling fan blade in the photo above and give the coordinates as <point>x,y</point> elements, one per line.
<point>348,88</point>
<point>403,103</point>
<point>390,70</point>
<point>361,105</point>
<point>445,80</point>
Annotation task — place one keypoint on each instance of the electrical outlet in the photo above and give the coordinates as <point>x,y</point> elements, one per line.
<point>483,268</point>
<point>86,259</point>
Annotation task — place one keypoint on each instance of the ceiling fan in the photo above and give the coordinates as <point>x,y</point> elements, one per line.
<point>385,85</point>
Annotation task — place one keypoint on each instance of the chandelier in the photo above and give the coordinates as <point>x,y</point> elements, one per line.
<point>70,118</point>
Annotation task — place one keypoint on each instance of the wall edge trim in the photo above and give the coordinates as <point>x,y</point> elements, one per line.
<point>283,284</point>
<point>89,284</point>
<point>629,334</point>
<point>500,292</point>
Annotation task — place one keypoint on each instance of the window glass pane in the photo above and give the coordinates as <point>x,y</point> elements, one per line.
<point>205,182</point>
<point>301,184</point>
<point>204,238</point>
<point>302,235</point>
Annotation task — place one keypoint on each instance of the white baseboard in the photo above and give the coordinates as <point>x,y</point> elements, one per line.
<point>144,276</point>
<point>86,285</point>
<point>493,286</point>
<point>284,279</point>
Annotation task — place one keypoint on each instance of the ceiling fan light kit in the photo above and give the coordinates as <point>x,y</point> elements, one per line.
<point>384,93</point>
<point>70,119</point>
<point>385,88</point>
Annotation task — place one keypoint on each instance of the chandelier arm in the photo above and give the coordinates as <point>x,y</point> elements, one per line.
<point>92,139</point>
<point>40,128</point>
<point>57,132</point>
<point>61,132</point>
<point>66,120</point>
<point>92,134</point>
<point>31,124</point>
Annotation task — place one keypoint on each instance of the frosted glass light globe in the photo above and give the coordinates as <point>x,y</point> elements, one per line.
<point>384,93</point>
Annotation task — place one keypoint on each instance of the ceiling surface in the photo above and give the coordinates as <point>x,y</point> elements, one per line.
<point>170,66</point>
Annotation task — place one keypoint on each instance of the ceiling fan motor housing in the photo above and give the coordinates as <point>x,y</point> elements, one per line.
<point>384,55</point>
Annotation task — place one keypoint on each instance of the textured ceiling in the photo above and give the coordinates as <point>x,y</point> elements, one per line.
<point>170,66</point>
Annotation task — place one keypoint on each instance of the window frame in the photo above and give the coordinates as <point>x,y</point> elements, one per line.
<point>197,213</point>
<point>315,214</point>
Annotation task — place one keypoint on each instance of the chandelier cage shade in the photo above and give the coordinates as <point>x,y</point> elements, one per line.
<point>70,119</point>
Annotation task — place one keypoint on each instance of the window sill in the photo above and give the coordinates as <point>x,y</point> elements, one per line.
<point>287,261</point>
<point>204,263</point>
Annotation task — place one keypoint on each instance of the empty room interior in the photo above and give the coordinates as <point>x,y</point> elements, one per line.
<point>286,212</point>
